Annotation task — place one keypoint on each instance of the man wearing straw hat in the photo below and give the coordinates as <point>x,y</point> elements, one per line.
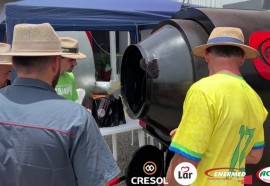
<point>222,124</point>
<point>47,140</point>
<point>5,65</point>
<point>66,85</point>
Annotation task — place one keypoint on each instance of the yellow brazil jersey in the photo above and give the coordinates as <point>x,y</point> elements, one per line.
<point>222,121</point>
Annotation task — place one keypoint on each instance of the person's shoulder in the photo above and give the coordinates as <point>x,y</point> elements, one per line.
<point>69,116</point>
<point>215,79</point>
<point>70,109</point>
<point>69,104</point>
<point>66,76</point>
<point>70,74</point>
<point>203,82</point>
<point>206,84</point>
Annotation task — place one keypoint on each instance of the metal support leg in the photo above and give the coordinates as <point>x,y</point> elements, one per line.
<point>114,146</point>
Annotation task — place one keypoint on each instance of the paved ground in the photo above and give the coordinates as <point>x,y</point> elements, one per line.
<point>125,150</point>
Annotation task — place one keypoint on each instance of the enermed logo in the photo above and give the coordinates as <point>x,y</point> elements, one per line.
<point>185,173</point>
<point>264,174</point>
<point>228,174</point>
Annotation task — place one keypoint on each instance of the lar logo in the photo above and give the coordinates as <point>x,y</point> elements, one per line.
<point>185,173</point>
<point>264,174</point>
<point>149,168</point>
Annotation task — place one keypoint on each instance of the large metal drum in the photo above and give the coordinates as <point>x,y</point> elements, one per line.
<point>157,72</point>
<point>158,100</point>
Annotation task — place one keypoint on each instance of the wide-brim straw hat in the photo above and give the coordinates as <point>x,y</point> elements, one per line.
<point>228,36</point>
<point>35,40</point>
<point>70,47</point>
<point>5,60</point>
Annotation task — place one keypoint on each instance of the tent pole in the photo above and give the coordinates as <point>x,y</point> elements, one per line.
<point>113,55</point>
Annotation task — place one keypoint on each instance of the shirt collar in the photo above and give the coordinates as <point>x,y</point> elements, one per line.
<point>30,82</point>
<point>233,75</point>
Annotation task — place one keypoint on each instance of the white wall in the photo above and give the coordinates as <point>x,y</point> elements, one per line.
<point>211,3</point>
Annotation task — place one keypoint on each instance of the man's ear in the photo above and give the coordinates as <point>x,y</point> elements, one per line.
<point>206,56</point>
<point>56,63</point>
<point>242,60</point>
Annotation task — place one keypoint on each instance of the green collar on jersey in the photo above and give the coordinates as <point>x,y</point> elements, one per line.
<point>233,75</point>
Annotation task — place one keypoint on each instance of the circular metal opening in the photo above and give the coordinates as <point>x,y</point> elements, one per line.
<point>133,82</point>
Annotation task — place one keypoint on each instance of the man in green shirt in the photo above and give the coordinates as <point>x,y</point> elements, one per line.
<point>66,85</point>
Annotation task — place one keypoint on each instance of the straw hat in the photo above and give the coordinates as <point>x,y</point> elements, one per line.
<point>35,40</point>
<point>70,46</point>
<point>226,36</point>
<point>5,60</point>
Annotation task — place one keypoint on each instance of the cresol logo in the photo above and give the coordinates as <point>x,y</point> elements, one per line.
<point>264,174</point>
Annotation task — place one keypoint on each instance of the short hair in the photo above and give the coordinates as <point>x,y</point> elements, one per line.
<point>30,64</point>
<point>226,51</point>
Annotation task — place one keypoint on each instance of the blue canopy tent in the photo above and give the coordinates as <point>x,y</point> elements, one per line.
<point>82,15</point>
<point>79,15</point>
<point>2,31</point>
<point>2,26</point>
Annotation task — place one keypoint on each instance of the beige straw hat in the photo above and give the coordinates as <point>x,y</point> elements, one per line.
<point>5,60</point>
<point>226,36</point>
<point>70,47</point>
<point>35,40</point>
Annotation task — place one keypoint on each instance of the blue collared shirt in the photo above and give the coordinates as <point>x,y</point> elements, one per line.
<point>46,140</point>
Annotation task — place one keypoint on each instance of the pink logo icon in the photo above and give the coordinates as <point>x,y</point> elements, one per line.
<point>185,169</point>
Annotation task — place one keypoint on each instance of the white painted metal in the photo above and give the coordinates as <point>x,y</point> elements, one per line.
<point>211,3</point>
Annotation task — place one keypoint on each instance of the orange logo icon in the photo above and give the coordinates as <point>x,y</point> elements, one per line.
<point>149,168</point>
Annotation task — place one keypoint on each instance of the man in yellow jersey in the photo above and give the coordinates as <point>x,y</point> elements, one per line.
<point>222,124</point>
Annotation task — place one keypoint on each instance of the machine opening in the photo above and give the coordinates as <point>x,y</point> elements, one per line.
<point>133,82</point>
